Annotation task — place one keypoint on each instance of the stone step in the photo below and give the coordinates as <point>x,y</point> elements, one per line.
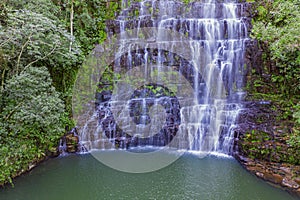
<point>178,9</point>
<point>197,29</point>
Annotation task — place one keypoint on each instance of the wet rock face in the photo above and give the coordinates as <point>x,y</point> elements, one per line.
<point>145,97</point>
<point>180,17</point>
<point>140,104</point>
<point>53,152</point>
<point>216,33</point>
<point>261,145</point>
<point>263,136</point>
<point>262,148</point>
<point>72,143</point>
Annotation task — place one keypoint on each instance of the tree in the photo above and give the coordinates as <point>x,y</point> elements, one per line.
<point>276,26</point>
<point>31,39</point>
<point>42,45</point>
<point>31,120</point>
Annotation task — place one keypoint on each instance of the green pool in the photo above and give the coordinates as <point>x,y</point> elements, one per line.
<point>82,177</point>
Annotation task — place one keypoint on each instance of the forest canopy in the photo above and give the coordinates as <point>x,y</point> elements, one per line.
<point>42,45</point>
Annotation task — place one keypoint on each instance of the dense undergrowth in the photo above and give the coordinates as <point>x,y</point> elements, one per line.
<point>277,80</point>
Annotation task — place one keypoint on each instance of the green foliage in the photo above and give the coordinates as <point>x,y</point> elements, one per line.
<point>32,101</point>
<point>295,136</point>
<point>31,120</point>
<point>186,1</point>
<point>158,91</point>
<point>45,7</point>
<point>276,26</point>
<point>297,113</point>
<point>31,39</point>
<point>265,146</point>
<point>39,60</point>
<point>34,36</point>
<point>89,20</point>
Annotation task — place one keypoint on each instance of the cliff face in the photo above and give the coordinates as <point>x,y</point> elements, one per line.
<point>264,143</point>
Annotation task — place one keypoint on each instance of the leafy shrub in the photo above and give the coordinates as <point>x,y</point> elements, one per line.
<point>276,26</point>
<point>31,120</point>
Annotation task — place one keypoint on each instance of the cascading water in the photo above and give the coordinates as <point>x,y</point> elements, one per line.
<point>201,120</point>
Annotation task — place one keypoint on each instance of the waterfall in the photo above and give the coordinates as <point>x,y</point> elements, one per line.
<point>183,86</point>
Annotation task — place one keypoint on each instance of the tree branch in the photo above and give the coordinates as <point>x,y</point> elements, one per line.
<point>71,24</point>
<point>6,41</point>
<point>40,58</point>
<point>2,79</point>
<point>12,112</point>
<point>22,49</point>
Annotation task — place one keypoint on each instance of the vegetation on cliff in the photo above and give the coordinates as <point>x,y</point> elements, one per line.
<point>277,81</point>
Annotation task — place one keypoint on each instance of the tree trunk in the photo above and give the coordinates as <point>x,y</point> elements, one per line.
<point>71,24</point>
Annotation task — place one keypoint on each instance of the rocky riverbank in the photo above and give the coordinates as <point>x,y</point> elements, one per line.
<point>263,146</point>
<point>282,175</point>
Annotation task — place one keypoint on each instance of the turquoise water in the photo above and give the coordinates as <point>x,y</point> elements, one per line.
<point>83,177</point>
